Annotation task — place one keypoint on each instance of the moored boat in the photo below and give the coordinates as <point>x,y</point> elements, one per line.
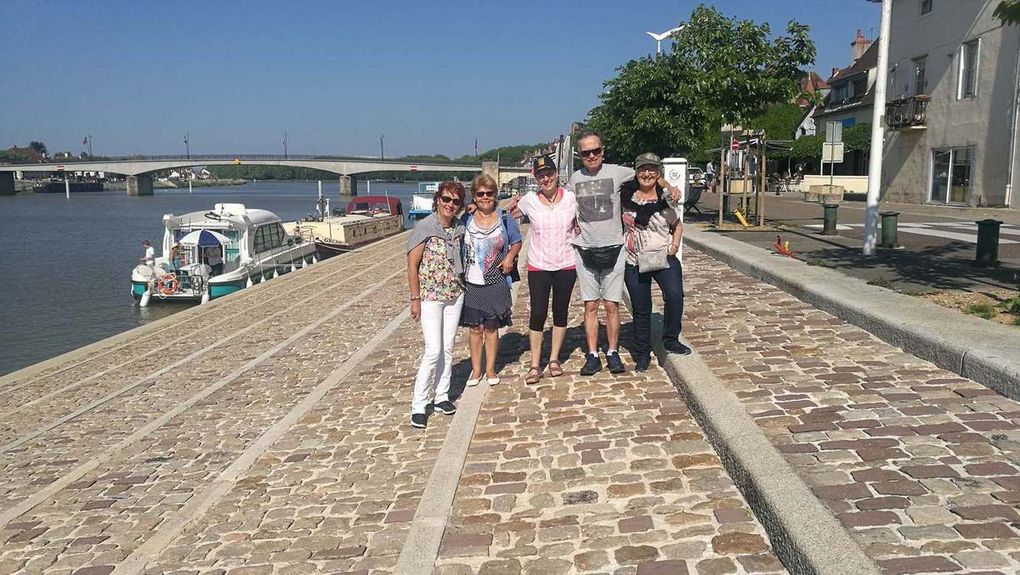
<point>367,219</point>
<point>211,254</point>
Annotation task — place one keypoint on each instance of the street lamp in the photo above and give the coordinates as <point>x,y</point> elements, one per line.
<point>187,145</point>
<point>877,132</point>
<point>382,149</point>
<point>660,37</point>
<point>285,145</point>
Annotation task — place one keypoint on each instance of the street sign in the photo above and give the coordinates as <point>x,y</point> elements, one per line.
<point>833,131</point>
<point>832,152</point>
<point>734,144</point>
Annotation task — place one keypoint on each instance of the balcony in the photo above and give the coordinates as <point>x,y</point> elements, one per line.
<point>907,113</point>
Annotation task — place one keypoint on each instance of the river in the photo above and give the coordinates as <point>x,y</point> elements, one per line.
<point>65,264</point>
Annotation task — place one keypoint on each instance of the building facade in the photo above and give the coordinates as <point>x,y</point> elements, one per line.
<point>850,101</point>
<point>951,117</point>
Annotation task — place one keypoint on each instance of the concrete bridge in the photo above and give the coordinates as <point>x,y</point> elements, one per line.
<point>140,170</point>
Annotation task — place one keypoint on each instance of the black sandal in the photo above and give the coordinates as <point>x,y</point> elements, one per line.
<point>534,375</point>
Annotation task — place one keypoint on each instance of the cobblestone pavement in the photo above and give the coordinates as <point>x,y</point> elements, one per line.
<point>919,464</point>
<point>602,474</point>
<point>56,451</point>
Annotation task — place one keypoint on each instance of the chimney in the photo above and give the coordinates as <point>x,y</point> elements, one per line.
<point>834,72</point>
<point>859,46</point>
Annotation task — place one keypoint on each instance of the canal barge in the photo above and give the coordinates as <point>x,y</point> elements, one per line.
<point>366,219</point>
<point>239,247</point>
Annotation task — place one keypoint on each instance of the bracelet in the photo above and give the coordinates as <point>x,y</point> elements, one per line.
<point>416,298</point>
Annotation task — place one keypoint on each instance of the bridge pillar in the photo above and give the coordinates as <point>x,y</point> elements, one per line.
<point>6,183</point>
<point>139,185</point>
<point>491,169</point>
<point>348,185</point>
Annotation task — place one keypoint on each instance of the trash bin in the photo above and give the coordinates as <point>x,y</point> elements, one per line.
<point>987,243</point>
<point>829,219</point>
<point>890,233</point>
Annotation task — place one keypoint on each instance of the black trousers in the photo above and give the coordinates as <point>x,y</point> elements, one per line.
<point>639,286</point>
<point>540,283</point>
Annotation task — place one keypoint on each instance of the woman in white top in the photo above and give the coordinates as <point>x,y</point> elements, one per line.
<point>552,211</point>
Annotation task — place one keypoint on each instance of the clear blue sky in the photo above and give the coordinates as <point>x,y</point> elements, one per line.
<point>334,75</point>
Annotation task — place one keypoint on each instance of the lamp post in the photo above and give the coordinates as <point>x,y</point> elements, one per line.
<point>187,145</point>
<point>660,37</point>
<point>285,145</point>
<point>382,149</point>
<point>877,132</point>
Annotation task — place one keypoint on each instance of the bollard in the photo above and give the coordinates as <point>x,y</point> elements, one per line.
<point>987,243</point>
<point>829,219</point>
<point>890,234</point>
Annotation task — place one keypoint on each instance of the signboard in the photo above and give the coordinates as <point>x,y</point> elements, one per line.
<point>674,170</point>
<point>60,168</point>
<point>414,168</point>
<point>833,131</point>
<point>734,144</point>
<point>832,152</point>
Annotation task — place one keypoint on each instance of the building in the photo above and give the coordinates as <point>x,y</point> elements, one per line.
<point>953,89</point>
<point>850,102</point>
<point>812,89</point>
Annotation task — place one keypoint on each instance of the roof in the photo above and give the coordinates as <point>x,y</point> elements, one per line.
<point>867,61</point>
<point>374,203</point>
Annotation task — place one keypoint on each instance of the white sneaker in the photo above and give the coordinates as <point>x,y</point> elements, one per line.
<point>475,381</point>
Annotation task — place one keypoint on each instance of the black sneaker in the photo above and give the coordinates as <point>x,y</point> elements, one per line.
<point>641,363</point>
<point>614,362</point>
<point>676,347</point>
<point>418,420</point>
<point>592,365</point>
<point>446,407</point>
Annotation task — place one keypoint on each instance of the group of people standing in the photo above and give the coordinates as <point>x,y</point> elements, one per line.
<point>610,227</point>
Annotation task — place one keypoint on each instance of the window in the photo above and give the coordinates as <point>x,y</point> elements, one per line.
<point>920,82</point>
<point>926,6</point>
<point>262,239</point>
<point>848,122</point>
<point>951,175</point>
<point>860,86</point>
<point>968,70</point>
<point>841,92</point>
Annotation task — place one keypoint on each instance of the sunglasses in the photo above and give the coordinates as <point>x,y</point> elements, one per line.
<point>545,174</point>
<point>590,153</point>
<point>484,194</point>
<point>450,200</point>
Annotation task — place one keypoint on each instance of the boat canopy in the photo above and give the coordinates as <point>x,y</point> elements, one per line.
<point>374,204</point>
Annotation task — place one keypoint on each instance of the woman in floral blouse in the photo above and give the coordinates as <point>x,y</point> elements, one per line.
<point>434,270</point>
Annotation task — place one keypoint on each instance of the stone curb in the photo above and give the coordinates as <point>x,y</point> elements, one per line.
<point>977,349</point>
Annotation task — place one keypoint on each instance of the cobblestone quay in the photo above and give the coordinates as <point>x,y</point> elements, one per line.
<point>267,433</point>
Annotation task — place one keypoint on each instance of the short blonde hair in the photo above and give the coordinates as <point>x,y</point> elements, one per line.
<point>484,181</point>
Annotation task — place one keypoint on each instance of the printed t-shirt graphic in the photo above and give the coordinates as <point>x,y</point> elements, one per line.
<point>598,205</point>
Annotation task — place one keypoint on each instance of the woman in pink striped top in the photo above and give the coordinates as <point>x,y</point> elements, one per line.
<point>552,211</point>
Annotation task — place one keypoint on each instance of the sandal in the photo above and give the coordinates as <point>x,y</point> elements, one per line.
<point>554,368</point>
<point>533,376</point>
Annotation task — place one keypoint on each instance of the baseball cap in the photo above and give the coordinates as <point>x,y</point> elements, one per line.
<point>542,163</point>
<point>647,159</point>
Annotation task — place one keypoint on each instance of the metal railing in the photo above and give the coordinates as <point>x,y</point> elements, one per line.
<point>909,112</point>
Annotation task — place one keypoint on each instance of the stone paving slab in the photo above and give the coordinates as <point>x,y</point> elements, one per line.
<point>607,474</point>
<point>919,464</point>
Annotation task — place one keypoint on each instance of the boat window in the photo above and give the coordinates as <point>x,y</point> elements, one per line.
<point>232,252</point>
<point>277,234</point>
<point>262,239</point>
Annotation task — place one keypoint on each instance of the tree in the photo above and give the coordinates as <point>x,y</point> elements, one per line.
<point>38,147</point>
<point>720,70</point>
<point>1008,11</point>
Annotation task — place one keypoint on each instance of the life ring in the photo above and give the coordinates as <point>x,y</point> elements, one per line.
<point>167,284</point>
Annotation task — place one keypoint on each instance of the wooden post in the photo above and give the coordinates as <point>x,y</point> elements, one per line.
<point>745,176</point>
<point>721,175</point>
<point>760,197</point>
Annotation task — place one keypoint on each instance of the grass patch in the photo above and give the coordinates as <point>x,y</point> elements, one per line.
<point>1012,306</point>
<point>881,282</point>
<point>983,310</point>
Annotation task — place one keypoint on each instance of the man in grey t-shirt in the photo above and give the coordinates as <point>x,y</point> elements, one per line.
<point>597,187</point>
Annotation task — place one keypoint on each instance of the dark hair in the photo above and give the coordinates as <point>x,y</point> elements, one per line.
<point>456,188</point>
<point>589,134</point>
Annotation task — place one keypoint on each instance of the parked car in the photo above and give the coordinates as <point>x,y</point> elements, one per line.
<point>696,177</point>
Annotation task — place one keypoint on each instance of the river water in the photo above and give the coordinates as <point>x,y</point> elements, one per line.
<point>65,264</point>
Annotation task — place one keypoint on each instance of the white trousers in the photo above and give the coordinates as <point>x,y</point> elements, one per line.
<point>439,321</point>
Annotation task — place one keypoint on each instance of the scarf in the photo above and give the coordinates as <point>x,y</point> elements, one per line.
<point>642,212</point>
<point>431,227</point>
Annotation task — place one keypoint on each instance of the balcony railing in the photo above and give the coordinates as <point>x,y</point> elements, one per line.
<point>906,113</point>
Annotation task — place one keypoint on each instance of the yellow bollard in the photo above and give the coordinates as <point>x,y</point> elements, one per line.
<point>740,218</point>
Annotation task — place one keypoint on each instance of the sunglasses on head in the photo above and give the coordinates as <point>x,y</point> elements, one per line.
<point>450,200</point>
<point>481,194</point>
<point>590,153</point>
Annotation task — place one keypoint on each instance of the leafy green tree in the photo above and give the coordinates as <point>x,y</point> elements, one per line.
<point>1008,11</point>
<point>38,147</point>
<point>720,69</point>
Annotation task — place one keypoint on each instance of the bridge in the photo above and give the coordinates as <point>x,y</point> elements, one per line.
<point>140,169</point>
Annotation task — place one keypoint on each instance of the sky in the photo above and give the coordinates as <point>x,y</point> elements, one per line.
<point>431,77</point>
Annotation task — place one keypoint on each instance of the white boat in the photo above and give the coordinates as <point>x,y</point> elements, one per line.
<point>253,245</point>
<point>367,219</point>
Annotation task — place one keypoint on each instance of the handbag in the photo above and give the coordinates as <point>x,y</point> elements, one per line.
<point>600,258</point>
<point>653,261</point>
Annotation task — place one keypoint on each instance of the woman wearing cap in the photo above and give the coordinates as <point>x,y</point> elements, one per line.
<point>653,230</point>
<point>492,241</point>
<point>552,211</point>
<point>434,268</point>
